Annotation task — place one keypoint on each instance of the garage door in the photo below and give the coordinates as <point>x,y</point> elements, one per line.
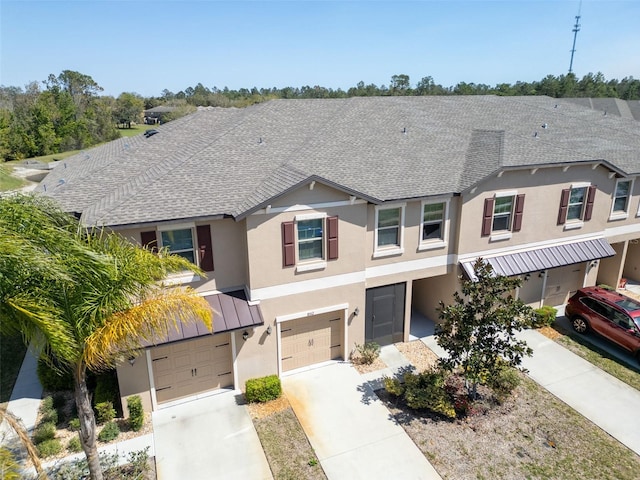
<point>186,368</point>
<point>311,340</point>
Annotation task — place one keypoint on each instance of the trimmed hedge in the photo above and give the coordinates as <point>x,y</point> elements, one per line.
<point>263,389</point>
<point>544,316</point>
<point>136,412</point>
<point>109,432</point>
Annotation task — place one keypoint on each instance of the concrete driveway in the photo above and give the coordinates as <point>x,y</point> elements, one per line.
<point>208,438</point>
<point>350,429</point>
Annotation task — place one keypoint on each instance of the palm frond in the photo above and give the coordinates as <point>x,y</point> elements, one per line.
<point>150,320</point>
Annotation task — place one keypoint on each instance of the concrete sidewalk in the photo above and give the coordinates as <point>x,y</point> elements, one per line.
<point>212,437</point>
<point>351,431</point>
<point>600,397</point>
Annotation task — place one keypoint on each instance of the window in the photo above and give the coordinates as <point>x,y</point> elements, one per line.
<point>433,221</point>
<point>389,223</point>
<point>502,215</point>
<point>576,205</point>
<point>389,227</point>
<point>309,240</point>
<point>179,242</point>
<point>621,197</point>
<point>502,210</point>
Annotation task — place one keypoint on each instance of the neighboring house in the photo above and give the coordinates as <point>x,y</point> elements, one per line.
<point>157,115</point>
<point>321,224</point>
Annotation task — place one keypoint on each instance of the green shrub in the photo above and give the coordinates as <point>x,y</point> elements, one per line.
<point>52,376</point>
<point>393,386</point>
<point>109,432</point>
<point>9,468</point>
<point>544,316</point>
<point>44,432</point>
<point>504,382</point>
<point>74,424</point>
<point>48,414</point>
<point>49,447</point>
<point>263,389</point>
<point>426,390</point>
<point>105,412</point>
<point>74,444</point>
<point>367,353</point>
<point>136,413</point>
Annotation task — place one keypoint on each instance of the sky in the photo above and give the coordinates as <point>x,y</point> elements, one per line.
<point>147,46</point>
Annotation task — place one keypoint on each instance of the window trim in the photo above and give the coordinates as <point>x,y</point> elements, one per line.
<point>310,264</point>
<point>573,224</point>
<point>621,214</point>
<point>181,226</point>
<point>389,250</point>
<point>433,243</point>
<point>515,216</point>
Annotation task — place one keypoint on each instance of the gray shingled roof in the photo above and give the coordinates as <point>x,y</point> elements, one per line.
<point>230,161</point>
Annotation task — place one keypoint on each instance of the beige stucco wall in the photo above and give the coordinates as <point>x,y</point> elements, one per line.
<point>610,269</point>
<point>428,292</point>
<point>134,380</point>
<point>228,241</point>
<point>543,190</point>
<point>411,234</point>
<point>264,246</point>
<point>632,264</point>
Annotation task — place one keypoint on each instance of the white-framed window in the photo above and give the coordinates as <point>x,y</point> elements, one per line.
<point>310,239</point>
<point>576,205</point>
<point>389,230</point>
<point>179,241</point>
<point>433,225</point>
<point>502,213</point>
<point>577,201</point>
<point>621,198</point>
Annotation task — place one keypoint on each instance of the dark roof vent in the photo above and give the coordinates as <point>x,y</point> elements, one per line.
<point>150,133</point>
<point>404,130</point>
<point>535,134</point>
<point>544,125</point>
<point>260,142</point>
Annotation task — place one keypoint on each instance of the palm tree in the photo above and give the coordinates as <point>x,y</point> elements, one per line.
<point>86,296</point>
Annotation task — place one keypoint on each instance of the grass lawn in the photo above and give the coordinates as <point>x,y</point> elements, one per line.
<point>135,130</point>
<point>7,181</point>
<point>12,351</point>
<point>600,358</point>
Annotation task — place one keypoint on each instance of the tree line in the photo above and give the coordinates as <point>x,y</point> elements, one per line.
<point>67,112</point>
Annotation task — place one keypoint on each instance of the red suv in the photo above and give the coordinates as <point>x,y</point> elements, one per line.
<point>611,314</point>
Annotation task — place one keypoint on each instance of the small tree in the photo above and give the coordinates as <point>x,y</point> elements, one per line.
<point>478,329</point>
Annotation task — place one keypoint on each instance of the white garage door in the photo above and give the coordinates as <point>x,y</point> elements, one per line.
<point>311,340</point>
<point>186,368</point>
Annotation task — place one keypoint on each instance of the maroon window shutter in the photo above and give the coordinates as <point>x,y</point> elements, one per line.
<point>588,211</point>
<point>288,244</point>
<point>332,238</point>
<point>149,240</point>
<point>205,248</point>
<point>517,218</point>
<point>564,205</point>
<point>487,217</point>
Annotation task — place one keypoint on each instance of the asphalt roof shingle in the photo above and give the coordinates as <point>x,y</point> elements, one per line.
<point>229,161</point>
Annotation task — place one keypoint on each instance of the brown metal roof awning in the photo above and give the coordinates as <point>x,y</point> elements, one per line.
<point>231,311</point>
<point>545,258</point>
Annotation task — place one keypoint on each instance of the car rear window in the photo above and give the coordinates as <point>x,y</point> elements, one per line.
<point>628,304</point>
